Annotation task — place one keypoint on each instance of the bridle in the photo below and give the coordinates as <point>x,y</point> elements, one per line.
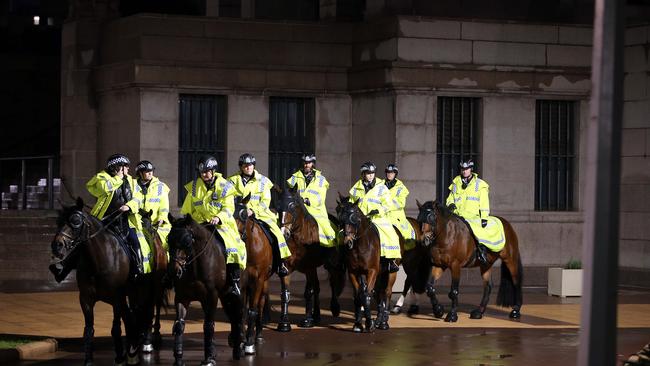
<point>351,219</point>
<point>291,209</point>
<point>428,216</point>
<point>183,261</point>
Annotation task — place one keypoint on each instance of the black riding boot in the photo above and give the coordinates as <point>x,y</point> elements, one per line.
<point>137,268</point>
<point>481,253</point>
<point>233,272</point>
<point>392,266</point>
<point>282,268</point>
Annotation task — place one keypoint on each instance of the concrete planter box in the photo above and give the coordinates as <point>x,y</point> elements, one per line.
<point>564,282</point>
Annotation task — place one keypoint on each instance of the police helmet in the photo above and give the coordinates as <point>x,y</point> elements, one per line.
<point>467,164</point>
<point>309,158</point>
<point>368,167</point>
<point>391,168</point>
<point>247,158</point>
<point>206,162</point>
<point>144,166</point>
<point>116,161</point>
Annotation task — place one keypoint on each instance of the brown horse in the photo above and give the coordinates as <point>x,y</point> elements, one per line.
<point>301,231</point>
<point>102,275</point>
<point>362,259</point>
<point>199,261</point>
<point>158,292</point>
<point>452,245</point>
<point>259,268</point>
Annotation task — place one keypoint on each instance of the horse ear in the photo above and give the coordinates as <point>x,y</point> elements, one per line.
<point>417,202</point>
<point>277,188</point>
<point>246,199</point>
<point>171,218</point>
<point>341,197</point>
<point>356,203</point>
<point>293,189</point>
<point>80,203</point>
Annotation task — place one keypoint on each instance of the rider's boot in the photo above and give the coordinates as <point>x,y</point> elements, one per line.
<point>233,273</point>
<point>481,253</point>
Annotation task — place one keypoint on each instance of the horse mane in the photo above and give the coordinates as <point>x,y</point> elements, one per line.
<point>444,211</point>
<point>301,203</point>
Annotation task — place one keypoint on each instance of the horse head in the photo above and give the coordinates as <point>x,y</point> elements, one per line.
<point>73,228</point>
<point>147,224</point>
<point>350,217</point>
<point>427,215</point>
<point>181,241</point>
<point>289,201</point>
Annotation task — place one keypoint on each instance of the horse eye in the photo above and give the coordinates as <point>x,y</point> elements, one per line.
<point>75,221</point>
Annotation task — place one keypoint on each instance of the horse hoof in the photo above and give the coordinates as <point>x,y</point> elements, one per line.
<point>316,319</point>
<point>306,323</point>
<point>249,349</point>
<point>284,327</point>
<point>357,328</point>
<point>157,341</point>
<point>147,348</point>
<point>179,362</point>
<point>133,360</point>
<point>396,310</point>
<point>209,362</point>
<point>451,317</point>
<point>476,314</point>
<point>438,311</point>
<point>259,340</point>
<point>116,363</point>
<point>383,326</point>
<point>413,309</point>
<point>237,353</point>
<point>515,314</point>
<point>335,307</point>
<point>370,327</point>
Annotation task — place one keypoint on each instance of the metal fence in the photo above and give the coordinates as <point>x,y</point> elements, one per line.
<point>28,182</point>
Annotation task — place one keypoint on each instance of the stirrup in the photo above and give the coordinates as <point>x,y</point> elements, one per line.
<point>481,254</point>
<point>282,269</point>
<point>392,266</point>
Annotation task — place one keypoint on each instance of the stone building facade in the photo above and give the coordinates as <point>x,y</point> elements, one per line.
<point>376,86</point>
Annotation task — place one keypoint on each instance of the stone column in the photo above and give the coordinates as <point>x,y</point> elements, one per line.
<point>248,130</point>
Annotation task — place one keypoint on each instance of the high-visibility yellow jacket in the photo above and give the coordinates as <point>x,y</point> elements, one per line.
<point>204,204</point>
<point>259,188</point>
<point>399,192</point>
<point>472,202</point>
<point>316,192</point>
<point>378,198</point>
<point>103,186</point>
<point>156,199</point>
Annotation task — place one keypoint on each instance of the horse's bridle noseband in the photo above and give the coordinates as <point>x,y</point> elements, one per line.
<point>79,225</point>
<point>429,218</point>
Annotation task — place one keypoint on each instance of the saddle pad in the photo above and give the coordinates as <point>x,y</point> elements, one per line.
<point>492,235</point>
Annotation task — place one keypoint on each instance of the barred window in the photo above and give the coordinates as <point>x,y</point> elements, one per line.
<point>554,155</point>
<point>291,134</point>
<point>457,139</point>
<point>202,130</point>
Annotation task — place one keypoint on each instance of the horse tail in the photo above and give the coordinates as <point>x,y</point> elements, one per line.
<point>510,293</point>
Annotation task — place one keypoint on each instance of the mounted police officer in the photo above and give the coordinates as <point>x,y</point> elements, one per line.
<point>153,195</point>
<point>468,198</point>
<point>210,201</point>
<point>313,187</point>
<point>399,193</point>
<point>115,206</point>
<point>375,201</point>
<point>250,181</point>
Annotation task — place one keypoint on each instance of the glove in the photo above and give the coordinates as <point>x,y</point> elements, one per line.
<point>483,222</point>
<point>307,202</point>
<point>373,212</point>
<point>452,207</point>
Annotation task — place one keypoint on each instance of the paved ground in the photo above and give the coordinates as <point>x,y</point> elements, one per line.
<point>547,333</point>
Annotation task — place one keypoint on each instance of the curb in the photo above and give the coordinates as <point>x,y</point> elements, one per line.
<point>29,350</point>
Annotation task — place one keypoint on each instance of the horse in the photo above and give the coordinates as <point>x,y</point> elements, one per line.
<point>365,271</point>
<point>159,293</point>
<point>301,232</point>
<point>199,266</point>
<point>452,245</point>
<point>102,275</point>
<point>259,268</point>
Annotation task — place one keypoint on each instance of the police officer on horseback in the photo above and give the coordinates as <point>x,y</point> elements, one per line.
<point>313,187</point>
<point>250,181</point>
<point>399,193</point>
<point>115,206</point>
<point>153,195</point>
<point>210,201</point>
<point>468,198</point>
<point>374,200</point>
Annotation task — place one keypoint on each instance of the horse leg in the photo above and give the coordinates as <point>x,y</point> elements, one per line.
<point>356,295</point>
<point>209,308</point>
<point>148,313</point>
<point>487,288</point>
<point>336,284</point>
<point>178,330</point>
<point>157,338</point>
<point>233,306</point>
<point>387,294</point>
<point>438,309</point>
<point>116,332</point>
<point>452,316</point>
<point>316,288</point>
<point>367,290</point>
<point>259,324</point>
<point>511,276</point>
<point>308,321</point>
<point>283,324</point>
<point>400,302</point>
<point>87,305</point>
<point>252,315</point>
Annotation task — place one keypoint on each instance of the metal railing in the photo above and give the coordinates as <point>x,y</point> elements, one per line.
<point>23,177</point>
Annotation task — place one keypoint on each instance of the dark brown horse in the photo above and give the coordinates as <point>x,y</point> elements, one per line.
<point>452,245</point>
<point>301,232</point>
<point>199,262</point>
<point>362,259</point>
<point>158,292</point>
<point>259,268</point>
<point>102,275</point>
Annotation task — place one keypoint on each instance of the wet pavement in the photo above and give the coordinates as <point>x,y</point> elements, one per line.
<point>546,334</point>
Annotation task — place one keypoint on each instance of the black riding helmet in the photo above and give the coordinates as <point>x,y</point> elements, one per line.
<point>309,158</point>
<point>368,167</point>
<point>246,159</point>
<point>391,168</point>
<point>469,163</point>
<point>116,161</point>
<point>206,162</point>
<point>144,166</point>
